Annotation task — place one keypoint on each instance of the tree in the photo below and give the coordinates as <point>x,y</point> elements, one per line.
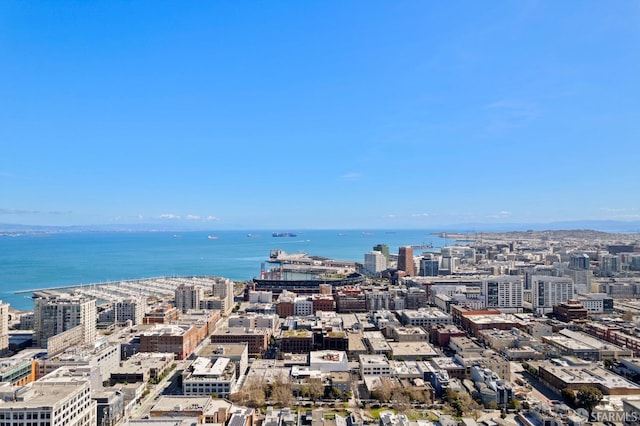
<point>316,388</point>
<point>252,393</point>
<point>588,398</point>
<point>400,400</point>
<point>457,406</point>
<point>335,392</point>
<point>461,402</point>
<point>281,391</point>
<point>568,396</point>
<point>451,395</point>
<point>382,392</point>
<point>627,316</point>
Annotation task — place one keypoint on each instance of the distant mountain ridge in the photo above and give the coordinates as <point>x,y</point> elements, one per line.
<point>609,226</point>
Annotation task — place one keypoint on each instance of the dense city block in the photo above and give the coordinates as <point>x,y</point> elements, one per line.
<point>527,328</point>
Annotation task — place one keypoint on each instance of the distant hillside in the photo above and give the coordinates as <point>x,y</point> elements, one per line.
<point>611,226</point>
<point>564,234</point>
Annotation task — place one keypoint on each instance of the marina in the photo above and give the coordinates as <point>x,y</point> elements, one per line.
<point>107,292</point>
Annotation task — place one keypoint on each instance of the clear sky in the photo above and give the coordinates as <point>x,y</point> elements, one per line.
<point>318,114</point>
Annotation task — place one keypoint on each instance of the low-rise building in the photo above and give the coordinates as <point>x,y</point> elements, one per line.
<point>257,339</point>
<point>571,310</point>
<point>561,375</point>
<point>19,369</point>
<point>583,346</point>
<point>179,339</point>
<point>203,409</point>
<point>207,377</point>
<point>452,366</point>
<point>236,352</point>
<point>56,400</point>
<point>296,341</point>
<point>110,407</point>
<point>464,344</point>
<point>409,334</point>
<point>412,351</point>
<point>501,339</point>
<point>474,324</point>
<point>441,334</point>
<point>103,354</point>
<point>374,365</point>
<point>376,342</point>
<point>328,361</point>
<point>141,367</point>
<point>161,315</point>
<point>424,317</point>
<point>350,299</point>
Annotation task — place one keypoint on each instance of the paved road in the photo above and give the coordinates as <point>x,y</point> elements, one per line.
<point>145,406</point>
<point>540,390</point>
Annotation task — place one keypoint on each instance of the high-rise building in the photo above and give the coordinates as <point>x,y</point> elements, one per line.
<point>123,310</point>
<point>634,262</point>
<point>4,327</point>
<point>188,296</point>
<point>55,313</point>
<point>382,248</point>
<point>579,261</point>
<point>550,291</point>
<point>374,262</point>
<point>129,310</point>
<point>223,293</point>
<point>405,261</point>
<point>503,292</point>
<point>429,266</point>
<point>610,264</point>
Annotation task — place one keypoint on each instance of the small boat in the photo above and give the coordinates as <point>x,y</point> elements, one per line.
<point>253,235</point>
<point>213,237</point>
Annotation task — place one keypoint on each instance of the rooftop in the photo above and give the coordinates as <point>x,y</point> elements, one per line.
<point>373,359</point>
<point>327,356</point>
<point>591,374</point>
<point>300,333</point>
<point>424,313</point>
<point>412,349</point>
<point>47,393</point>
<point>229,350</point>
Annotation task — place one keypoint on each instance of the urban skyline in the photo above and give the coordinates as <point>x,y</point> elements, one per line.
<point>292,116</point>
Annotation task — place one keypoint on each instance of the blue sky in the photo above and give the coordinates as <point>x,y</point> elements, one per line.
<point>328,114</point>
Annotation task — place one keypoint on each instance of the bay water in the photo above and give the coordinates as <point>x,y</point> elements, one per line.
<point>36,261</point>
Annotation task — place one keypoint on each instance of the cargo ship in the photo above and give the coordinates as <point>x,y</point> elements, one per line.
<point>284,234</point>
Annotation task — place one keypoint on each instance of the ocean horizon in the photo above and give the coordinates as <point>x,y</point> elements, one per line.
<point>48,260</point>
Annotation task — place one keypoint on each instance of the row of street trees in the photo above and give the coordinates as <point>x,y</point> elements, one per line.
<point>255,392</point>
<point>391,391</point>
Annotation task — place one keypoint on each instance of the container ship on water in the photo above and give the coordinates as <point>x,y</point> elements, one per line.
<point>284,234</point>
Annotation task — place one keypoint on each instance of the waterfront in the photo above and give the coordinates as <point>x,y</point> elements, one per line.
<point>34,261</point>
